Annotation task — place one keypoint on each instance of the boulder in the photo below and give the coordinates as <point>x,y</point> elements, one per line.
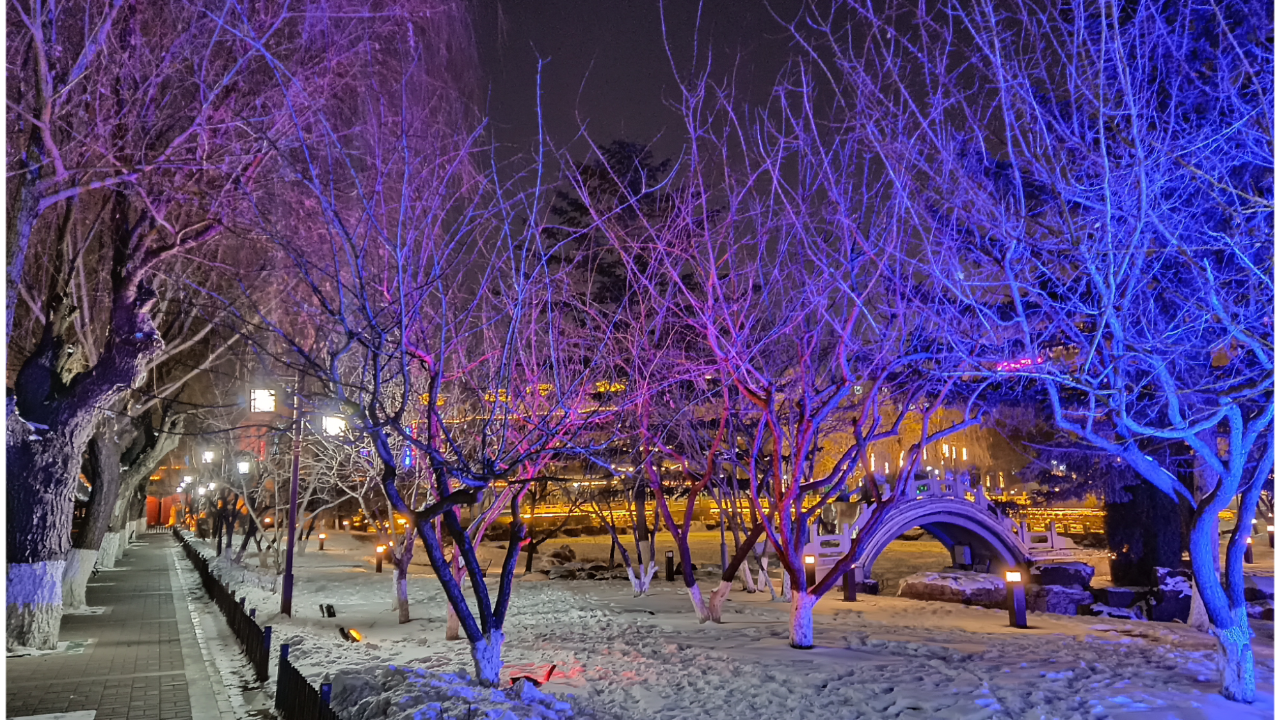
<point>1120,613</point>
<point>350,687</point>
<point>1170,600</point>
<point>1258,588</point>
<point>1260,610</point>
<point>597,567</point>
<point>1058,599</point>
<point>1067,574</point>
<point>1121,597</point>
<point>562,572</point>
<point>563,554</point>
<point>912,534</point>
<point>956,586</point>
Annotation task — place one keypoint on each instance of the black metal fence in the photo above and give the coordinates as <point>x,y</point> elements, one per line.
<point>296,699</point>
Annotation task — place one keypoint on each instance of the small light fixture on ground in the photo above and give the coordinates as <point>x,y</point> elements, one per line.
<point>1271,536</point>
<point>671,566</point>
<point>1248,551</point>
<point>810,571</point>
<point>1016,597</point>
<point>380,551</point>
<point>322,537</point>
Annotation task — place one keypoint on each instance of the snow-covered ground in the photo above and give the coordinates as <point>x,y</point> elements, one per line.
<point>623,657</point>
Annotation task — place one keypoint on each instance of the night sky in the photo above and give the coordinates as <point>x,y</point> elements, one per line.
<point>605,63</point>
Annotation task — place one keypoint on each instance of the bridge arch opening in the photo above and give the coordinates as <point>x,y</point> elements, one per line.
<point>992,548</point>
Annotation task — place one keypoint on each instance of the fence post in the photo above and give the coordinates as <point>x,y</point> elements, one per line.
<point>280,677</point>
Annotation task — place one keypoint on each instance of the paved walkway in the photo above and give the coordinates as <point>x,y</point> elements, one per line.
<point>137,660</point>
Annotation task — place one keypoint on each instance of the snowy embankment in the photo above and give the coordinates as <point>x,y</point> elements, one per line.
<point>623,657</point>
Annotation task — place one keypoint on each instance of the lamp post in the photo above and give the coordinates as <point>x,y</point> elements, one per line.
<point>1248,551</point>
<point>852,577</point>
<point>1016,595</point>
<point>1271,536</point>
<point>378,561</point>
<point>810,571</point>
<point>286,594</point>
<point>671,566</point>
<point>322,537</point>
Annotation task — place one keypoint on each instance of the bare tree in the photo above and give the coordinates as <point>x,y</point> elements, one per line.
<point>125,154</point>
<point>1092,185</point>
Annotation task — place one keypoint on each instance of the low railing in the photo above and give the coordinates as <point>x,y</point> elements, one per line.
<point>254,640</point>
<point>296,699</point>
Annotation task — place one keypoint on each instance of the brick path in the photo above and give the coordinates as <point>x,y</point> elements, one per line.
<point>139,660</point>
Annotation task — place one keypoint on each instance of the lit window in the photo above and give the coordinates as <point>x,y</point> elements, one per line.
<point>964,453</point>
<point>262,400</point>
<point>334,425</point>
<point>243,467</point>
<point>207,457</point>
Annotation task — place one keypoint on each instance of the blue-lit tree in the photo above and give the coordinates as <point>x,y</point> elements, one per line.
<point>1093,191</point>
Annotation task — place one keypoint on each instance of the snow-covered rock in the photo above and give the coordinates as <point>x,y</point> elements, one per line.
<point>1066,574</point>
<point>1121,613</point>
<point>1058,599</point>
<point>956,586</point>
<point>1121,597</point>
<point>1259,587</point>
<point>1171,598</point>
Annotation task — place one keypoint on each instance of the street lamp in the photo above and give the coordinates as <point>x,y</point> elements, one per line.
<point>322,537</point>
<point>671,566</point>
<point>380,550</point>
<point>243,467</point>
<point>207,457</point>
<point>1248,551</point>
<point>810,571</point>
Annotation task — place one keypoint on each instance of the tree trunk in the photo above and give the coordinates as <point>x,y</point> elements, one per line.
<point>487,655</point>
<point>699,606</point>
<point>1226,614</point>
<point>402,593</point>
<point>717,600</point>
<point>103,470</point>
<point>41,469</point>
<point>801,619</point>
<point>1238,681</point>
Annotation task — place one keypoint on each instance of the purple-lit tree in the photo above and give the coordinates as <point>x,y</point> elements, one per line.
<point>1093,191</point>
<point>126,164</point>
<point>422,303</point>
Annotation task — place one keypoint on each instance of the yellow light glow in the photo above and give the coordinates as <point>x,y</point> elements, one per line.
<point>355,634</point>
<point>323,536</point>
<point>1249,540</point>
<point>809,559</point>
<point>1013,576</point>
<point>381,549</point>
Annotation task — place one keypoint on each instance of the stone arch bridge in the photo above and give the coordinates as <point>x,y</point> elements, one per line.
<point>956,516</point>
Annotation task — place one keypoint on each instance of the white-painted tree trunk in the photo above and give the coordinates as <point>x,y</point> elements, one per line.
<point>1238,682</point>
<point>487,656</point>
<point>640,584</point>
<point>1199,617</point>
<point>107,554</point>
<point>75,576</point>
<point>699,606</point>
<point>402,596</point>
<point>33,611</point>
<point>451,626</point>
<point>802,619</point>
<point>718,596</point>
<point>748,582</point>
